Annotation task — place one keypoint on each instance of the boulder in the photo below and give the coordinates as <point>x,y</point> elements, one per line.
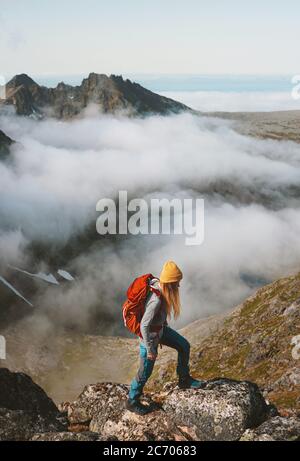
<point>19,392</point>
<point>155,426</point>
<point>103,407</point>
<point>223,410</point>
<point>275,429</point>
<point>16,425</point>
<point>104,400</point>
<point>25,408</point>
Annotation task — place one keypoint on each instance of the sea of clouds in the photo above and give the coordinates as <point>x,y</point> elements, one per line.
<point>58,170</point>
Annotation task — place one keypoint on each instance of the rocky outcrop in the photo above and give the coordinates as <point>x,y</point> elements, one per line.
<point>222,410</point>
<point>19,392</point>
<point>109,94</point>
<point>101,408</point>
<point>275,429</point>
<point>5,143</point>
<point>25,408</point>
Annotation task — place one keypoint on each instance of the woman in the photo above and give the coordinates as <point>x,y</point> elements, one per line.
<point>159,306</point>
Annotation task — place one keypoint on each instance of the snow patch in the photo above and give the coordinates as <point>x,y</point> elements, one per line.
<point>2,279</point>
<point>66,275</point>
<point>40,275</point>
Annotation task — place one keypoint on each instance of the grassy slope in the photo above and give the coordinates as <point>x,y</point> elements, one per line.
<point>281,125</point>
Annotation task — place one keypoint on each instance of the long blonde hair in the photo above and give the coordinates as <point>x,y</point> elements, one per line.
<point>171,298</point>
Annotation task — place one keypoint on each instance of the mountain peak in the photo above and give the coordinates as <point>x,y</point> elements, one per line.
<point>110,93</point>
<point>21,79</point>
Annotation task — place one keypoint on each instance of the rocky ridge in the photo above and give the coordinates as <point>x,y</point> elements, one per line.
<point>223,410</point>
<point>109,94</point>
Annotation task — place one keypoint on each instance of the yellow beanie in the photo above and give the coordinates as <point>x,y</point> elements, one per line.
<point>170,273</point>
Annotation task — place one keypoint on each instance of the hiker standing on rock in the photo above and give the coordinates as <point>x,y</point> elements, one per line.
<point>150,302</point>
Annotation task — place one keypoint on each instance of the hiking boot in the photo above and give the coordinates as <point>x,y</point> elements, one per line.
<point>135,406</point>
<point>190,383</point>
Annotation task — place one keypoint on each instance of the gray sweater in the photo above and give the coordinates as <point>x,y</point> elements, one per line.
<point>153,315</point>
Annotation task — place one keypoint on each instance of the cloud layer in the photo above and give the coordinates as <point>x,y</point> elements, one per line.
<point>59,170</point>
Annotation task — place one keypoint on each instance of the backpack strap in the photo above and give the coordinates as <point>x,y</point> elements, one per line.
<point>154,290</point>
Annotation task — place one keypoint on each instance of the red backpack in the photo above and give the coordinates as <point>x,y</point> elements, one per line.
<point>134,306</point>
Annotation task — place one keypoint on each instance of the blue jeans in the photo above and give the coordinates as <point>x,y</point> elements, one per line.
<point>169,338</point>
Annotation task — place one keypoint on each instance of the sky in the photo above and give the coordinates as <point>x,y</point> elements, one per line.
<point>156,37</point>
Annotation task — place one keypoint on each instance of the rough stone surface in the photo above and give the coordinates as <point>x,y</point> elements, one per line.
<point>221,411</point>
<point>25,408</point>
<point>102,406</point>
<point>278,428</point>
<point>68,437</point>
<point>19,392</point>
<point>21,425</point>
<point>104,400</point>
<point>16,425</point>
<point>155,426</point>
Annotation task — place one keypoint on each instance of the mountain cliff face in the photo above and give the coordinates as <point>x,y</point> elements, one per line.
<point>5,143</point>
<point>259,341</point>
<point>110,95</point>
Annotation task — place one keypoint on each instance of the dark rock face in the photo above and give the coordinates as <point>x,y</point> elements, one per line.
<point>25,408</point>
<point>19,392</point>
<point>16,425</point>
<point>110,94</point>
<point>5,143</point>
